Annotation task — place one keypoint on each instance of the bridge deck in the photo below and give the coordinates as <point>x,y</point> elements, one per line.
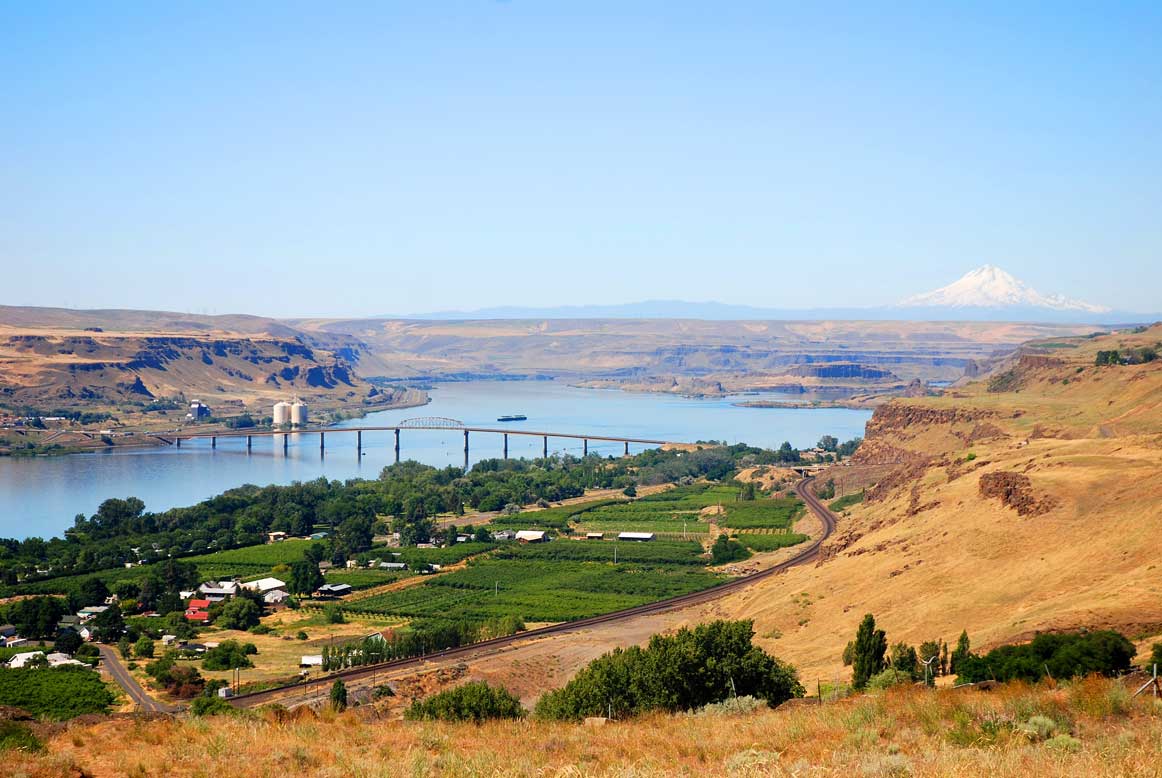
<point>496,430</point>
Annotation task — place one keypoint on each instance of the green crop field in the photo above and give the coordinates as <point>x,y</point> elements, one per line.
<point>433,556</point>
<point>767,514</point>
<point>559,581</point>
<point>692,527</point>
<point>55,693</point>
<point>265,556</point>
<point>363,578</point>
<point>770,542</point>
<point>557,518</point>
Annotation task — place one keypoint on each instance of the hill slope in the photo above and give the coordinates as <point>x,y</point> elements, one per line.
<point>1031,500</point>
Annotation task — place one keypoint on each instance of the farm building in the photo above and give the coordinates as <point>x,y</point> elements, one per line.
<point>504,534</point>
<point>334,590</point>
<point>636,536</point>
<point>393,566</point>
<point>311,660</point>
<point>532,536</point>
<point>198,611</point>
<point>264,585</point>
<point>595,536</point>
<point>275,597</point>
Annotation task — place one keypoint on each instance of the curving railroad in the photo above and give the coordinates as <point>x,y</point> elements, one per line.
<point>319,687</point>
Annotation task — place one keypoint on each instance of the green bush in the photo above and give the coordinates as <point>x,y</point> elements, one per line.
<point>685,671</point>
<point>771,542</point>
<point>17,737</point>
<point>726,550</point>
<point>229,655</point>
<point>475,701</point>
<point>210,706</point>
<point>1064,655</point>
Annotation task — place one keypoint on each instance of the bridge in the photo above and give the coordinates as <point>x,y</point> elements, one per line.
<point>421,423</point>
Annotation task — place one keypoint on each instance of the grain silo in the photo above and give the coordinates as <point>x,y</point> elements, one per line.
<point>298,414</point>
<point>282,413</point>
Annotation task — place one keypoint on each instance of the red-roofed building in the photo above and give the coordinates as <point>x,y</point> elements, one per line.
<point>197,610</point>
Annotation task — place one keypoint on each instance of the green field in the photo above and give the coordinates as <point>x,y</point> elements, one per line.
<point>55,693</point>
<point>559,581</point>
<point>771,542</point>
<point>363,578</point>
<point>762,514</point>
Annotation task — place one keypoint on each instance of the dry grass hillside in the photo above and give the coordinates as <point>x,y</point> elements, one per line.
<point>1030,500</point>
<point>1089,728</point>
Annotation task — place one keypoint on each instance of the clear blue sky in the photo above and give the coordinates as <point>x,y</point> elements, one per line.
<point>351,158</point>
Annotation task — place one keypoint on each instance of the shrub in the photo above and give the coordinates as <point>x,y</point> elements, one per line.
<point>887,679</point>
<point>1066,655</point>
<point>334,614</point>
<point>260,629</point>
<point>17,737</point>
<point>339,695</point>
<point>732,706</point>
<point>475,701</point>
<point>239,613</point>
<point>726,550</point>
<point>210,706</point>
<point>300,635</point>
<point>143,648</point>
<point>683,671</point>
<point>229,655</point>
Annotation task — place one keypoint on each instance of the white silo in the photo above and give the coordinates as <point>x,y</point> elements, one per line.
<point>282,413</point>
<point>298,413</point>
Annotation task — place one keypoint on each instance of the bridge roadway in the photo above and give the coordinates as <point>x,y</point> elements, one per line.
<point>306,691</point>
<point>434,423</point>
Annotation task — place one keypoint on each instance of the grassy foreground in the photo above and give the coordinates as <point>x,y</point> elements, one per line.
<point>1090,728</point>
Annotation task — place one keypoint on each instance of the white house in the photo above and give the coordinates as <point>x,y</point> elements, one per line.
<point>311,660</point>
<point>20,660</point>
<point>275,597</point>
<point>636,536</point>
<point>264,585</point>
<point>531,536</point>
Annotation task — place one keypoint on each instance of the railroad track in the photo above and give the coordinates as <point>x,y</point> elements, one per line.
<point>320,686</point>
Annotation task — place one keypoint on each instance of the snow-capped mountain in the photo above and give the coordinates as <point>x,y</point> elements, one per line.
<point>991,287</point>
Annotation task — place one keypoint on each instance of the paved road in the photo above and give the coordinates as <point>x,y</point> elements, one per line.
<point>298,694</point>
<point>112,664</point>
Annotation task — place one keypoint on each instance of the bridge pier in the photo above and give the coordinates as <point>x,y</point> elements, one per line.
<point>627,448</point>
<point>397,446</point>
<point>285,441</point>
<point>545,448</point>
<point>465,451</point>
<point>585,447</point>
<point>213,441</point>
<point>359,444</point>
<point>249,443</point>
<point>178,441</point>
<point>506,445</point>
<point>321,446</point>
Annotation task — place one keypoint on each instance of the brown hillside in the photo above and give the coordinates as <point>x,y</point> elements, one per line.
<point>1028,502</point>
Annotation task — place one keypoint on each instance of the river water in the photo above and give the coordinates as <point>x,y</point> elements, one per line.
<point>40,497</point>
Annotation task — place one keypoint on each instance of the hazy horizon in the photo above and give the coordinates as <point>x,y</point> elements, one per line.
<point>291,160</point>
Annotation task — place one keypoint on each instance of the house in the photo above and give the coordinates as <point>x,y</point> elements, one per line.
<point>317,536</point>
<point>595,536</point>
<point>20,660</point>
<point>7,631</point>
<point>311,660</point>
<point>393,566</point>
<point>531,536</point>
<point>91,612</point>
<point>275,537</point>
<point>334,590</point>
<point>168,640</point>
<point>639,537</point>
<point>216,591</point>
<point>462,538</point>
<point>57,659</point>
<point>264,585</point>
<point>198,611</point>
<point>352,564</point>
<point>504,534</point>
<point>276,597</point>
<point>324,566</point>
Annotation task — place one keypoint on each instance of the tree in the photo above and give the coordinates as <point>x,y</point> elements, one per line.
<point>959,653</point>
<point>125,648</point>
<point>726,550</point>
<point>339,695</point>
<point>905,661</point>
<point>748,492</point>
<point>305,577</point>
<point>143,648</point>
<point>37,617</point>
<point>868,655</point>
<point>108,625</point>
<point>239,613</point>
<point>354,535</point>
<point>67,642</point>
<point>92,591</point>
<point>828,443</point>
<point>849,653</point>
<point>482,535</point>
<point>944,661</point>
<point>930,650</point>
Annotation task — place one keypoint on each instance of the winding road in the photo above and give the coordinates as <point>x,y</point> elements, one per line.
<point>299,693</point>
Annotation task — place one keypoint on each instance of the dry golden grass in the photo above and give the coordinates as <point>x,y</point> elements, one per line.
<point>1096,730</point>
